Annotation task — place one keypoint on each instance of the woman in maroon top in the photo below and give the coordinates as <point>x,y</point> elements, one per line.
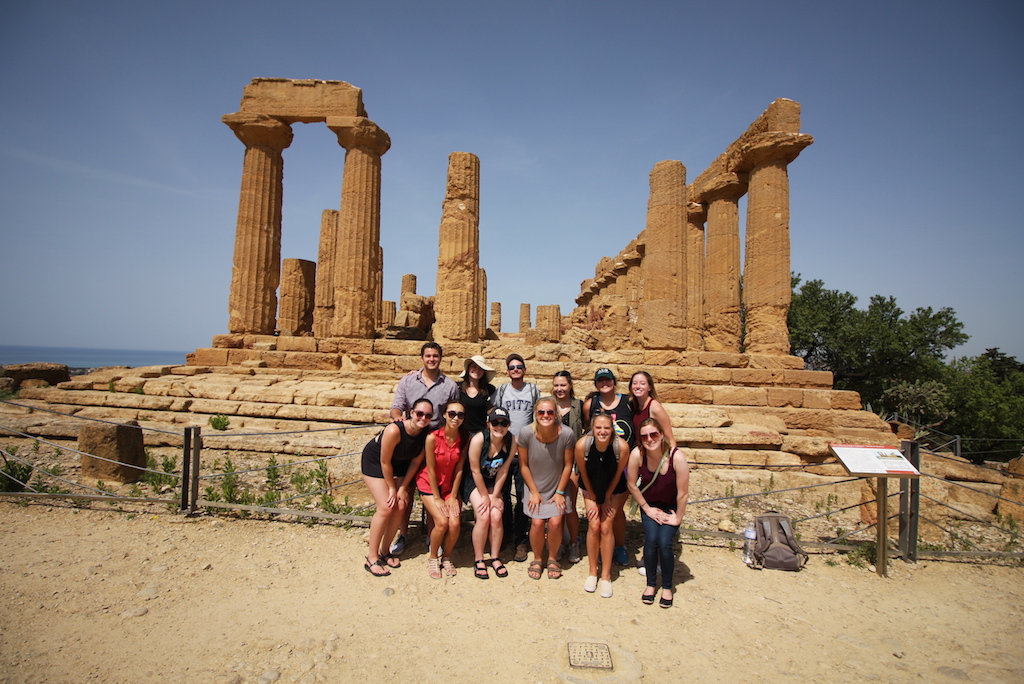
<point>661,492</point>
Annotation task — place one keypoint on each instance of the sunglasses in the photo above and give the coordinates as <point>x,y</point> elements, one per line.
<point>649,435</point>
<point>500,423</point>
<point>457,414</point>
<point>517,366</point>
<point>545,412</point>
<point>423,414</point>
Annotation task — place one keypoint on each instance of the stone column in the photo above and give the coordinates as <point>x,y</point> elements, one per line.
<point>767,288</point>
<point>481,302</point>
<point>549,322</point>
<point>323,312</point>
<point>495,323</point>
<point>524,318</point>
<point>409,284</point>
<point>358,244</point>
<point>298,282</point>
<point>456,305</point>
<point>387,313</point>
<point>722,274</point>
<point>256,270</point>
<point>696,215</point>
<point>662,312</point>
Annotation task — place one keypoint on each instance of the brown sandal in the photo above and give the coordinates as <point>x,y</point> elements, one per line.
<point>535,570</point>
<point>554,570</point>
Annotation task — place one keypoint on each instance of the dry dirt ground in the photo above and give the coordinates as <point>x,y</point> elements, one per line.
<point>97,595</point>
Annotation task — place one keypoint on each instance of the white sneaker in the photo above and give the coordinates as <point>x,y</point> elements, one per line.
<point>642,570</point>
<point>606,589</point>
<point>399,544</point>
<point>590,585</point>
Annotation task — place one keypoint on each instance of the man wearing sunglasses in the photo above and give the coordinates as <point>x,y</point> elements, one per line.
<point>518,398</point>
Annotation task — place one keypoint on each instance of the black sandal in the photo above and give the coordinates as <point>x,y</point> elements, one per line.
<point>481,569</point>
<point>647,598</point>
<point>392,557</point>
<point>368,566</point>
<point>499,568</point>
<point>664,602</point>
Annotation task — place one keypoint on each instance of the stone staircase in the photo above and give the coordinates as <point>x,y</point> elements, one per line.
<point>738,409</point>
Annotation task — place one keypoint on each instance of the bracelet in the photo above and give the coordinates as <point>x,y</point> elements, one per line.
<point>559,491</point>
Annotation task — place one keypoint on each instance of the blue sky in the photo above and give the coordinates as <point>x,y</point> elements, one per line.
<point>119,183</point>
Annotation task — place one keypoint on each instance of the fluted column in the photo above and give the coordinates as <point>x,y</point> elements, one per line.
<point>297,296</point>
<point>323,311</point>
<point>767,289</point>
<point>456,304</point>
<point>358,239</point>
<point>524,318</point>
<point>662,311</point>
<point>549,322</point>
<point>256,269</point>
<point>722,267</point>
<point>481,302</point>
<point>495,323</point>
<point>696,215</point>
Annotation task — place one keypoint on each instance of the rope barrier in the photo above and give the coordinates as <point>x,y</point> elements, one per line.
<point>279,465</point>
<point>774,491</point>
<point>976,491</point>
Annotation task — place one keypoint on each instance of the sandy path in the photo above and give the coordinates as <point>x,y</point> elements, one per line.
<point>92,595</point>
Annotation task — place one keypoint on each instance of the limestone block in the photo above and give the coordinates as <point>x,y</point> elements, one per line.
<point>846,400</point>
<point>254,363</point>
<point>747,458</point>
<point>220,390</point>
<point>260,342</point>
<point>745,436</point>
<point>688,394</point>
<point>30,383</point>
<point>861,419</point>
<point>50,373</point>
<point>949,467</point>
<point>817,399</point>
<point>705,457</point>
<point>816,447</point>
<point>299,344</point>
<point>783,362</point>
<point>692,436</point>
<point>979,496</point>
<point>785,396</point>
<point>754,419</point>
<point>207,357</point>
<point>827,469</point>
<point>805,378</point>
<point>139,401</point>
<point>805,419</point>
<point>740,396</point>
<point>1013,490</point>
<point>121,444</point>
<point>213,407</point>
<point>669,357</point>
<point>781,460</point>
<point>722,359</point>
<point>373,400</point>
<point>1016,466</point>
<point>756,377</point>
<point>311,361</point>
<point>272,395</point>
<point>231,341</point>
<point>847,435</point>
<point>407,319</point>
<point>336,398</point>
<point>697,416</point>
<point>345,345</point>
<point>291,412</point>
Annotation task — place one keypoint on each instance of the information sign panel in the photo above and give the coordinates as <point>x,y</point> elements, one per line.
<point>873,461</point>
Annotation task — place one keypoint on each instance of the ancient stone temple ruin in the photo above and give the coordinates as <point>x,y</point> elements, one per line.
<point>668,303</point>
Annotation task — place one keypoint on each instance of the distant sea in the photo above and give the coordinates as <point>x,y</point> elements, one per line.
<point>79,357</point>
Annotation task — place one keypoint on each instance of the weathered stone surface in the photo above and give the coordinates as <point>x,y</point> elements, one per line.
<point>1016,466</point>
<point>50,373</point>
<point>358,232</point>
<point>662,310</point>
<point>949,467</point>
<point>741,396</point>
<point>121,445</point>
<point>1013,490</point>
<point>298,281</point>
<point>458,264</point>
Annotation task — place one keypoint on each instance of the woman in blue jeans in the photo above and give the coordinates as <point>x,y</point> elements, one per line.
<point>658,477</point>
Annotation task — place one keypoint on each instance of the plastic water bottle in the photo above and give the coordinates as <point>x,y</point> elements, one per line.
<point>749,540</point>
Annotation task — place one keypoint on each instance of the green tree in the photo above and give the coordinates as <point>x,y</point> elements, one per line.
<point>870,350</point>
<point>988,405</point>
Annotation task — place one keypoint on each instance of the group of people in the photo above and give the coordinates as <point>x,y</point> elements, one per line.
<point>469,441</point>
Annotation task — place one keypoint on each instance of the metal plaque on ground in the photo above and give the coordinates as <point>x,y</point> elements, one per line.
<point>584,654</point>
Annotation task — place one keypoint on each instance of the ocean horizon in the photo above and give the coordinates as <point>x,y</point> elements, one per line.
<point>84,357</point>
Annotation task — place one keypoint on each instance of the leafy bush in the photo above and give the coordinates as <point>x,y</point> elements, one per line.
<point>220,422</point>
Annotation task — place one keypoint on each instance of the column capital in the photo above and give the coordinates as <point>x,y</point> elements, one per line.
<point>359,132</point>
<point>696,212</point>
<point>768,148</point>
<point>259,130</point>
